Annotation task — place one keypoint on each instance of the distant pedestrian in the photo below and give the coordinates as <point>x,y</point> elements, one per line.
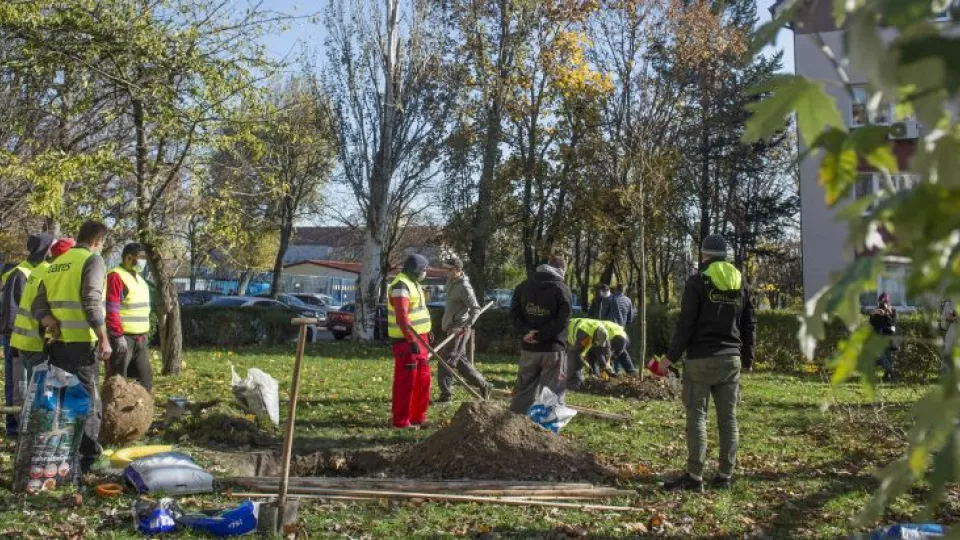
<point>717,330</point>
<point>459,312</point>
<point>540,311</point>
<point>621,308</point>
<point>948,325</point>
<point>600,307</point>
<point>883,319</point>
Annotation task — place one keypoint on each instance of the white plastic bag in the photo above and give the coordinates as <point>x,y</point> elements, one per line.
<point>258,394</point>
<point>549,413</point>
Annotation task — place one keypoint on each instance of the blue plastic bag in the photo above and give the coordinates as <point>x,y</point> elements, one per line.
<point>910,531</point>
<point>234,522</point>
<point>549,413</point>
<point>155,517</point>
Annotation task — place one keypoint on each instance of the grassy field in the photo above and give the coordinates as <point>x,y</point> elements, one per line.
<point>805,470</point>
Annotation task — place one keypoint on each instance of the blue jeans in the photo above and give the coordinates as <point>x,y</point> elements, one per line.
<point>886,362</point>
<point>8,383</point>
<point>621,356</point>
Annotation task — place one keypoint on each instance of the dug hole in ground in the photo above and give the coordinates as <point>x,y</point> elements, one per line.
<point>483,441</point>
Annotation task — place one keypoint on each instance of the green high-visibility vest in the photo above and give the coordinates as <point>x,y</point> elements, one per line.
<point>135,307</point>
<point>587,326</point>
<point>614,330</point>
<point>26,330</point>
<point>419,314</point>
<point>62,283</point>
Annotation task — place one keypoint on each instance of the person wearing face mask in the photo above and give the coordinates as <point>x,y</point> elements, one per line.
<point>128,317</point>
<point>27,337</point>
<point>69,304</point>
<point>38,247</point>
<point>407,307</point>
<point>600,307</point>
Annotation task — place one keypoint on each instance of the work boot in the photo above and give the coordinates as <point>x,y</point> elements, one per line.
<point>684,483</point>
<point>486,391</point>
<point>721,483</point>
<point>443,400</point>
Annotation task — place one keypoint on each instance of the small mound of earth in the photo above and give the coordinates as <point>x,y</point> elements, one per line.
<point>485,442</point>
<point>222,426</point>
<point>127,411</point>
<point>648,389</point>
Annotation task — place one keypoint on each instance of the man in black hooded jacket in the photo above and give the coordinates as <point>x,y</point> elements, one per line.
<point>540,311</point>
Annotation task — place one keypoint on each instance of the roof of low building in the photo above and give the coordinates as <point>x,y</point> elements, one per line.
<point>354,267</point>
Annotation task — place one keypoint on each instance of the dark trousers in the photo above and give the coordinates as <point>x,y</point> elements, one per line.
<point>80,359</point>
<point>134,363</point>
<point>459,360</point>
<point>8,384</point>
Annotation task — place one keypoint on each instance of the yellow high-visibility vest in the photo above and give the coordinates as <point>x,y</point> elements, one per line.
<point>419,315</point>
<point>614,330</point>
<point>587,326</point>
<point>26,330</point>
<point>135,307</point>
<point>62,283</point>
<point>25,266</point>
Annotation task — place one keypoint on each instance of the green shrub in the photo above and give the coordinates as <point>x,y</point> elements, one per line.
<point>221,325</point>
<point>777,345</point>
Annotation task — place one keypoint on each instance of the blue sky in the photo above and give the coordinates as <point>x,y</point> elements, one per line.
<point>303,32</point>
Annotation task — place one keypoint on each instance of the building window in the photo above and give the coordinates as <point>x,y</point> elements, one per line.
<point>893,281</point>
<point>859,109</point>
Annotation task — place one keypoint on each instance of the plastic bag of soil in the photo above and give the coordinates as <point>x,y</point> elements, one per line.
<point>258,394</point>
<point>549,413</point>
<point>48,450</point>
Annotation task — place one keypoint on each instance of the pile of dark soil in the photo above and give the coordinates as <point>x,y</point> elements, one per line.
<point>625,386</point>
<point>127,412</point>
<point>222,426</point>
<point>485,442</point>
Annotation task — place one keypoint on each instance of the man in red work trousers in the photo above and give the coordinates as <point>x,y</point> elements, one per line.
<point>411,361</point>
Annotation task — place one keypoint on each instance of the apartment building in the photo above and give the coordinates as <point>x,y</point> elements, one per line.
<point>825,240</point>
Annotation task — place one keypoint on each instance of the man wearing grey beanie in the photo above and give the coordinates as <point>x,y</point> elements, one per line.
<point>717,331</point>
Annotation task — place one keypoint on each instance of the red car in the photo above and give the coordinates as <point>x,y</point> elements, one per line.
<point>340,323</point>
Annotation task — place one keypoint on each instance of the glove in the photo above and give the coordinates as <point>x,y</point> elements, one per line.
<point>120,344</point>
<point>414,347</point>
<point>657,369</point>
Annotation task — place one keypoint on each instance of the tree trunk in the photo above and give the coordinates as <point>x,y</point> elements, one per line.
<point>642,293</point>
<point>483,217</point>
<point>371,270</point>
<point>368,291</point>
<point>168,314</point>
<point>704,194</point>
<point>286,230</point>
<point>244,282</point>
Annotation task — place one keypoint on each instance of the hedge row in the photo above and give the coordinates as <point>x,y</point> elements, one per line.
<point>224,326</point>
<point>777,345</point>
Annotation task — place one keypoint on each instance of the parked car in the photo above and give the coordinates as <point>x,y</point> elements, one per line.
<point>196,298</point>
<point>293,302</point>
<point>320,302</point>
<point>242,302</point>
<point>340,323</point>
